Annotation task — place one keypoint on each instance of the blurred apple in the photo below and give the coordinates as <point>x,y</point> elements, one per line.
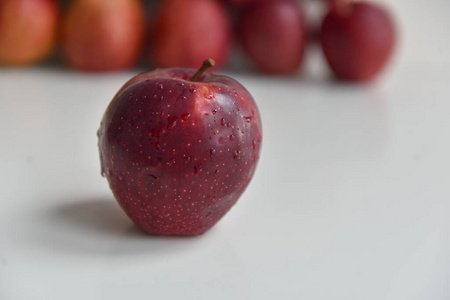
<point>239,3</point>
<point>187,32</point>
<point>358,39</point>
<point>103,35</point>
<point>273,35</point>
<point>27,30</point>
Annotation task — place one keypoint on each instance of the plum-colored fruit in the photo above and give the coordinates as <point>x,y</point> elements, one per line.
<point>357,39</point>
<point>185,32</point>
<point>273,35</point>
<point>27,30</point>
<point>103,35</point>
<point>179,151</point>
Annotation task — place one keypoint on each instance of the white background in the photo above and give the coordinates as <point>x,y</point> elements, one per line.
<point>350,201</point>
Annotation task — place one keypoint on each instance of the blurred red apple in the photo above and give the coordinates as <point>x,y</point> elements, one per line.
<point>273,35</point>
<point>185,32</point>
<point>27,30</point>
<point>239,3</point>
<point>103,35</point>
<point>357,39</point>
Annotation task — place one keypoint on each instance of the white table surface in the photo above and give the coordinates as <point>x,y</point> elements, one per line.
<point>351,198</point>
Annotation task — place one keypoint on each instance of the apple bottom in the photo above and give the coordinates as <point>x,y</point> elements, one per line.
<point>171,218</point>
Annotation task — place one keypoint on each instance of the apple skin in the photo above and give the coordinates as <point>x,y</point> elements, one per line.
<point>185,32</point>
<point>357,40</point>
<point>273,35</point>
<point>178,154</point>
<point>240,3</point>
<point>103,35</point>
<point>27,30</point>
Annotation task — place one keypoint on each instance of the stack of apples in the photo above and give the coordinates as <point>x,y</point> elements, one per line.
<point>357,37</point>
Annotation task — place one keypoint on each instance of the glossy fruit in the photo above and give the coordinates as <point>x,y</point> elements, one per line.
<point>27,30</point>
<point>357,40</point>
<point>185,32</point>
<point>177,153</point>
<point>103,35</point>
<point>273,35</point>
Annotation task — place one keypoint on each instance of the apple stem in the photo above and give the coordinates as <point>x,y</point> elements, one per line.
<point>206,65</point>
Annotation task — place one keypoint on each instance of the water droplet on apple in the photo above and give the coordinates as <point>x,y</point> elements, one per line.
<point>231,137</point>
<point>183,98</point>
<point>212,151</point>
<point>222,122</point>
<point>236,154</point>
<point>185,116</point>
<point>161,86</point>
<point>192,90</point>
<point>254,144</point>
<point>197,169</point>
<point>187,158</point>
<point>153,176</point>
<point>216,172</point>
<point>214,111</point>
<point>172,122</point>
<point>209,96</point>
<point>156,146</point>
<point>248,119</point>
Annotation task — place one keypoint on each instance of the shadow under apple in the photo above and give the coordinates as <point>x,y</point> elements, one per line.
<point>99,226</point>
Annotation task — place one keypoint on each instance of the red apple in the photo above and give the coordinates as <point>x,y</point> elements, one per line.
<point>357,39</point>
<point>103,35</point>
<point>273,35</point>
<point>27,30</point>
<point>240,3</point>
<point>185,32</point>
<point>179,149</point>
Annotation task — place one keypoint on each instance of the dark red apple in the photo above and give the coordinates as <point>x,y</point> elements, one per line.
<point>357,39</point>
<point>240,3</point>
<point>103,35</point>
<point>178,151</point>
<point>273,35</point>
<point>185,32</point>
<point>27,30</point>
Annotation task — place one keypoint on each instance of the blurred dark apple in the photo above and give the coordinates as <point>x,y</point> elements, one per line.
<point>103,35</point>
<point>239,3</point>
<point>178,148</point>
<point>357,39</point>
<point>273,35</point>
<point>185,32</point>
<point>27,30</point>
